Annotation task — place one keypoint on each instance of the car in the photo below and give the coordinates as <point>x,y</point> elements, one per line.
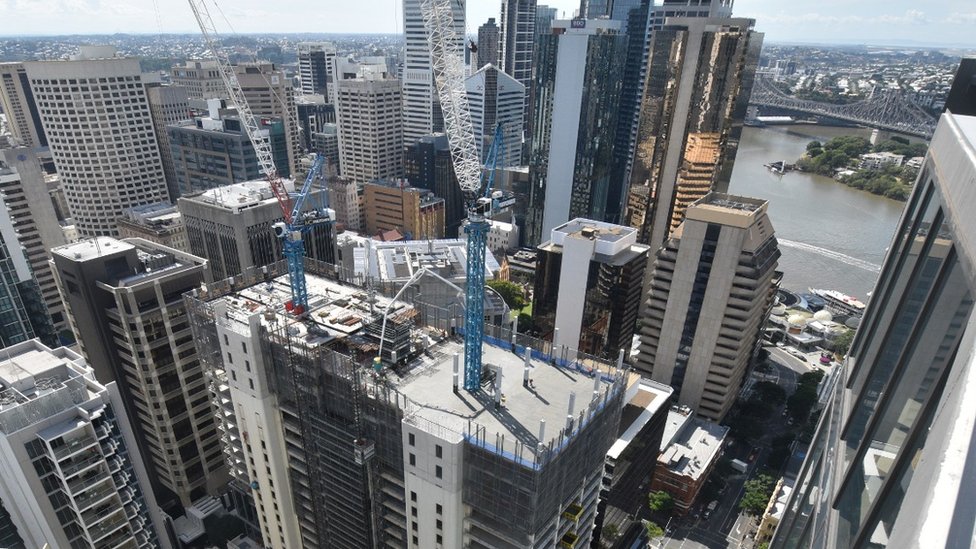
<point>708,510</point>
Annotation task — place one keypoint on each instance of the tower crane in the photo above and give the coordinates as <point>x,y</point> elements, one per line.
<point>447,61</point>
<point>295,221</point>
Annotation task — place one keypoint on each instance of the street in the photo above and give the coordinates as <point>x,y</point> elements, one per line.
<point>727,527</point>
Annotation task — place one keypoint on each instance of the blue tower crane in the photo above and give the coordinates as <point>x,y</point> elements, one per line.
<point>290,231</point>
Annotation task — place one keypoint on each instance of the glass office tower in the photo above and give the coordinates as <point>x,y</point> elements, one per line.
<point>892,462</point>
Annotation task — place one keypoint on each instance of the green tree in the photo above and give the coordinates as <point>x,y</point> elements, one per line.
<point>660,501</point>
<point>653,530</point>
<point>510,292</point>
<point>756,494</point>
<point>842,343</point>
<point>763,545</point>
<point>525,324</point>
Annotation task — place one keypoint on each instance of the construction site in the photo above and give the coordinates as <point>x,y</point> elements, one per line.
<point>373,446</point>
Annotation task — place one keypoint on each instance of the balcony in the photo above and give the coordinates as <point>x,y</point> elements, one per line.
<point>573,512</point>
<point>105,528</point>
<point>74,446</point>
<point>91,497</point>
<point>80,464</point>
<point>569,540</point>
<point>91,478</point>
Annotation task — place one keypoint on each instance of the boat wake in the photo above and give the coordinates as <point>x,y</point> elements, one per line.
<point>830,254</point>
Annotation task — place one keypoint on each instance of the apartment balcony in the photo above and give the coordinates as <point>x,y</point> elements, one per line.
<point>74,446</point>
<point>97,515</point>
<point>88,480</point>
<point>80,463</point>
<point>104,529</point>
<point>569,540</point>
<point>95,496</point>
<point>573,512</point>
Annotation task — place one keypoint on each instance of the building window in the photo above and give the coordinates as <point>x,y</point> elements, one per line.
<point>439,508</point>
<point>250,381</point>
<point>413,526</point>
<point>440,539</point>
<point>413,497</point>
<point>440,524</point>
<point>413,511</point>
<point>247,365</point>
<point>411,439</point>
<point>230,358</point>
<point>439,472</point>
<point>438,451</point>
<point>244,347</point>
<point>413,459</point>
<point>416,541</point>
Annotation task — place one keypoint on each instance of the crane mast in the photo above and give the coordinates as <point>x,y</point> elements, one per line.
<point>447,61</point>
<point>294,225</point>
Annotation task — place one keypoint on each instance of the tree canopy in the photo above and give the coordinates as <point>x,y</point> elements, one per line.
<point>756,494</point>
<point>510,292</point>
<point>660,501</point>
<point>653,530</point>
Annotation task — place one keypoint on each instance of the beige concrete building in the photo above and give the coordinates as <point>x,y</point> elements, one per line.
<point>161,223</point>
<point>416,213</point>
<point>710,291</point>
<point>370,120</point>
<point>168,105</point>
<point>201,78</point>
<point>17,102</point>
<point>346,198</point>
<point>95,112</point>
<point>269,93</point>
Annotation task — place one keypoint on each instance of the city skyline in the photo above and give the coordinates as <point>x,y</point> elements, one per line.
<point>873,22</point>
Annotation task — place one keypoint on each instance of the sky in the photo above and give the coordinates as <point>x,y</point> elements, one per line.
<point>933,22</point>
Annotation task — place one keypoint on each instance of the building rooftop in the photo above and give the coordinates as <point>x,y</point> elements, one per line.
<point>613,243</point>
<point>154,260</point>
<point>647,399</point>
<point>525,416</point>
<point>400,260</point>
<point>336,310</point>
<point>90,248</point>
<point>37,381</point>
<point>690,444</point>
<point>239,196</point>
<point>160,216</point>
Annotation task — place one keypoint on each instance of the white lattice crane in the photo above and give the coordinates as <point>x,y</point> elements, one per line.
<point>447,59</point>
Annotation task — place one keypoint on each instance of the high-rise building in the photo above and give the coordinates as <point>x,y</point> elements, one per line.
<point>421,109</point>
<point>107,163</point>
<point>161,223</point>
<point>516,43</point>
<point>544,16</point>
<point>17,102</point>
<point>394,205</point>
<point>428,165</point>
<point>23,311</point>
<point>345,197</point>
<point>711,288</point>
<point>269,93</point>
<point>200,78</point>
<point>699,78</point>
<point>69,477</point>
<point>372,455</point>
<point>662,11</point>
<point>588,286</point>
<point>496,98</point>
<point>314,113</point>
<point>168,105</point>
<point>232,227</point>
<point>369,117</point>
<point>575,105</point>
<point>316,67</point>
<point>215,150</point>
<point>35,221</point>
<point>124,299</point>
<point>890,464</point>
<point>326,143</point>
<point>488,44</point>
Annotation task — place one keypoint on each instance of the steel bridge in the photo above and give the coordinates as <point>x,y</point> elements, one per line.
<point>883,109</point>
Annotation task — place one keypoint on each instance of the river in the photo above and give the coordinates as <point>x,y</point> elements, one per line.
<point>831,236</point>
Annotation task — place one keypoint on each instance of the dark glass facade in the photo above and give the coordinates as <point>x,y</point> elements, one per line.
<point>697,87</point>
<point>428,165</point>
<point>881,438</point>
<point>591,192</point>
